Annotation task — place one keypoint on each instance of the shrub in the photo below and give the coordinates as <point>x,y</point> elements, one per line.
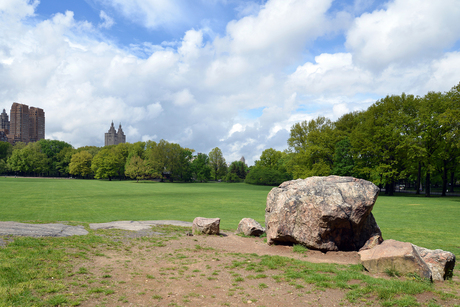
<point>266,176</point>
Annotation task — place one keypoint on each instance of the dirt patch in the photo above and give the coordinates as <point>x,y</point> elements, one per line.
<point>157,268</point>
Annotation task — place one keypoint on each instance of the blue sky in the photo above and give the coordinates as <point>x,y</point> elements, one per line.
<point>231,74</point>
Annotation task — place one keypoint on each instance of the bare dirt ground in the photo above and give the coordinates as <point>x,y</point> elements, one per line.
<point>204,271</point>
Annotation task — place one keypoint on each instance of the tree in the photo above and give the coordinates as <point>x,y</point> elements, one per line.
<point>313,144</point>
<point>270,158</point>
<point>136,168</point>
<point>343,159</point>
<point>200,168</point>
<point>80,164</point>
<point>28,159</point>
<point>63,159</point>
<point>52,148</point>
<point>217,163</point>
<point>5,150</point>
<point>266,176</point>
<point>239,169</point>
<point>107,163</point>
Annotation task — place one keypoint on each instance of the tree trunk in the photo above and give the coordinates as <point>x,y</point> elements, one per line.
<point>452,181</point>
<point>419,179</point>
<point>391,186</point>
<point>444,178</point>
<point>427,185</point>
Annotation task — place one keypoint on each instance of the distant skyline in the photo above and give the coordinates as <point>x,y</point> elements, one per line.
<point>231,74</point>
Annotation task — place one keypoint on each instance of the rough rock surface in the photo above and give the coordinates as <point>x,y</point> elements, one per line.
<point>250,227</point>
<point>325,213</point>
<point>206,225</point>
<point>137,225</point>
<point>41,230</point>
<point>394,255</point>
<point>441,263</point>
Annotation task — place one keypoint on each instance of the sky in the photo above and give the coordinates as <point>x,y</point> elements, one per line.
<point>231,74</point>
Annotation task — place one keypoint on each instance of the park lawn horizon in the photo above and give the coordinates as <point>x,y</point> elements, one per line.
<point>427,222</point>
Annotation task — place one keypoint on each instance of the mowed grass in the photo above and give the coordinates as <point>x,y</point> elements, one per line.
<point>97,201</point>
<point>428,222</point>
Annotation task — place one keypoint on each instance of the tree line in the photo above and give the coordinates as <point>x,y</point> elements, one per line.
<point>141,160</point>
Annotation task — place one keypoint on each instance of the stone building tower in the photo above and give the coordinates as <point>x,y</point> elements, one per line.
<point>112,137</point>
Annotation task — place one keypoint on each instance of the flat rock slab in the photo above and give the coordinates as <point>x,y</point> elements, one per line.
<point>40,230</point>
<point>137,225</point>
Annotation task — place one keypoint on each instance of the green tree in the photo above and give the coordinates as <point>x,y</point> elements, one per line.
<point>80,164</point>
<point>28,159</point>
<point>5,150</point>
<point>270,158</point>
<point>136,168</point>
<point>107,163</point>
<point>217,163</point>
<point>200,168</point>
<point>313,145</point>
<point>343,159</point>
<point>52,148</point>
<point>239,169</point>
<point>63,159</point>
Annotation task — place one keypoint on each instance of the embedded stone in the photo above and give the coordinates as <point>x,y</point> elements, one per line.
<point>250,227</point>
<point>393,255</point>
<point>209,226</point>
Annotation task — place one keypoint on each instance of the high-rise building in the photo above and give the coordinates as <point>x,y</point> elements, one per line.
<point>36,124</point>
<point>4,121</point>
<point>19,123</point>
<point>25,124</point>
<point>112,137</point>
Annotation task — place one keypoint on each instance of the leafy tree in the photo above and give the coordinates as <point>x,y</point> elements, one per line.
<point>52,148</point>
<point>136,168</point>
<point>63,159</point>
<point>217,163</point>
<point>5,150</point>
<point>266,176</point>
<point>200,168</point>
<point>80,164</point>
<point>28,159</point>
<point>107,163</point>
<point>232,177</point>
<point>270,158</point>
<point>313,144</point>
<point>238,168</point>
<point>343,159</point>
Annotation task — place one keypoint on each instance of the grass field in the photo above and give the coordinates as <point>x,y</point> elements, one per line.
<point>428,222</point>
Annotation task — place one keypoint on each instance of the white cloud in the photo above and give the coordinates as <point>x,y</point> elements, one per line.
<point>107,21</point>
<point>280,29</point>
<point>405,32</point>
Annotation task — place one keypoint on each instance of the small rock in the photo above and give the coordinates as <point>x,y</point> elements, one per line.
<point>250,227</point>
<point>209,226</point>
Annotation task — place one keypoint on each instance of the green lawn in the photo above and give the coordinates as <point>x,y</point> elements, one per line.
<point>429,222</point>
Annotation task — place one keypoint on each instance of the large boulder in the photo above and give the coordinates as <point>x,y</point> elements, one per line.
<point>250,227</point>
<point>392,255</point>
<point>325,213</point>
<point>441,263</point>
<point>202,225</point>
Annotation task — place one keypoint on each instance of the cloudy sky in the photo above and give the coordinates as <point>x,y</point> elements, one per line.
<point>235,74</point>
